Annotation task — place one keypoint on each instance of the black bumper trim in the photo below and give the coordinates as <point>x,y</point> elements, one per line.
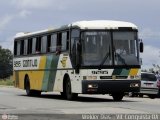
<point>109,86</point>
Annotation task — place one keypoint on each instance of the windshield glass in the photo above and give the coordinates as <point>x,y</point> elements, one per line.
<point>148,77</point>
<point>98,48</point>
<point>125,49</point>
<point>95,47</point>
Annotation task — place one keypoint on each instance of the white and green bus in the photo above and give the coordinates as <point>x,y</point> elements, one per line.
<point>85,57</point>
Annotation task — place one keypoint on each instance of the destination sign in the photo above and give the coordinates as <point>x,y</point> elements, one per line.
<point>26,63</point>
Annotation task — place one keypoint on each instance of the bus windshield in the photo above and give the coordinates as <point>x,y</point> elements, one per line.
<point>125,48</point>
<point>98,48</point>
<point>95,46</point>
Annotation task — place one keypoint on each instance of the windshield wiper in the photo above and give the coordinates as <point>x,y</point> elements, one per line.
<point>105,58</point>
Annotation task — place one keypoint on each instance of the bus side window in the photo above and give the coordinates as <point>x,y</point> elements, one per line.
<point>44,44</point>
<point>38,44</point>
<point>75,34</point>
<point>15,48</point>
<point>67,40</point>
<point>25,46</point>
<point>48,43</point>
<point>22,47</point>
<point>64,41</point>
<point>53,42</point>
<point>18,47</point>
<point>29,46</point>
<point>34,46</point>
<point>59,43</point>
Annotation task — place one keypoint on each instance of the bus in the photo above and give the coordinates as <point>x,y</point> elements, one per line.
<point>84,57</point>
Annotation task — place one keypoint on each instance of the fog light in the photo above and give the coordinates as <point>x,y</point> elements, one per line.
<point>131,77</point>
<point>134,85</point>
<point>92,86</point>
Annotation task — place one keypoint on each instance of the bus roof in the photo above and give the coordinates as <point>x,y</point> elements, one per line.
<point>24,34</point>
<point>95,24</point>
<point>103,24</point>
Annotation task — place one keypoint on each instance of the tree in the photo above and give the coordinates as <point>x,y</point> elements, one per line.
<point>6,58</point>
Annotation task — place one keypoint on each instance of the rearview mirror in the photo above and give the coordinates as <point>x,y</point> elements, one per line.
<point>141,46</point>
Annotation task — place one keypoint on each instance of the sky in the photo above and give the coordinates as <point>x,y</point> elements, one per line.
<point>34,15</point>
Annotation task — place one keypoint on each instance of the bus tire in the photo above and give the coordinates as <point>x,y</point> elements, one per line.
<point>68,90</point>
<point>152,96</point>
<point>27,87</point>
<point>141,95</point>
<point>117,96</point>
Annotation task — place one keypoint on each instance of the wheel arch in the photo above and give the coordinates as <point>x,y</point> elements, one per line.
<point>66,76</point>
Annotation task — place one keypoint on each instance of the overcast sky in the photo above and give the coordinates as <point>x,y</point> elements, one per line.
<point>33,15</point>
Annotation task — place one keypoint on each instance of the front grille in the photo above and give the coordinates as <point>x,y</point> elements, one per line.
<point>105,77</point>
<point>115,77</point>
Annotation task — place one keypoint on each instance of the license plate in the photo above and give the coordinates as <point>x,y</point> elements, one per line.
<point>149,85</point>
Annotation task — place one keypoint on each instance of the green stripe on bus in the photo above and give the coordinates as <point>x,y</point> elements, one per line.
<point>117,72</point>
<point>52,74</point>
<point>49,76</point>
<point>122,72</point>
<point>125,72</point>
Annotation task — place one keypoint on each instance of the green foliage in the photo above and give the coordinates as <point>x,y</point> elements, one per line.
<point>7,82</point>
<point>6,58</point>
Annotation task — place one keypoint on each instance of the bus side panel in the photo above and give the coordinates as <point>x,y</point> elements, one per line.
<point>15,79</point>
<point>36,79</point>
<point>65,67</point>
<point>36,76</point>
<point>76,82</point>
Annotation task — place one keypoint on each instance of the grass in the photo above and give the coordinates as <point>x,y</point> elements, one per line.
<point>6,82</point>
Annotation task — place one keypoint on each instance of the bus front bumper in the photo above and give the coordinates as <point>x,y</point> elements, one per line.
<point>110,86</point>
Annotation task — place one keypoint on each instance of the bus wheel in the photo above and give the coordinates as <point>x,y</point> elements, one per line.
<point>68,92</point>
<point>141,95</point>
<point>27,87</point>
<point>152,96</point>
<point>29,91</point>
<point>117,96</point>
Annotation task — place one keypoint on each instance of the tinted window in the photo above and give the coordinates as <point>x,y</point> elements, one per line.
<point>48,43</point>
<point>30,46</point>
<point>148,77</point>
<point>53,43</point>
<point>38,44</point>
<point>44,44</point>
<point>64,40</point>
<point>34,46</point>
<point>22,48</point>
<point>15,48</point>
<point>18,47</point>
<point>25,46</point>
